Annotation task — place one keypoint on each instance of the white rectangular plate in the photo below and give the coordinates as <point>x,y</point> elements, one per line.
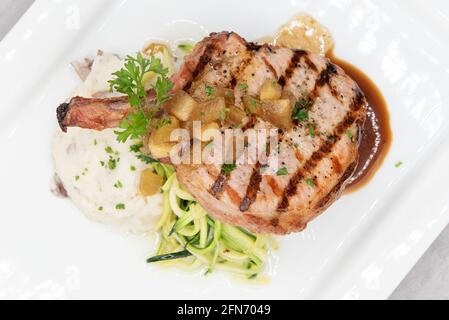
<point>360,248</point>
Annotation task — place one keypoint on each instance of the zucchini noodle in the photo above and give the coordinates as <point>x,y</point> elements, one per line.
<point>189,236</point>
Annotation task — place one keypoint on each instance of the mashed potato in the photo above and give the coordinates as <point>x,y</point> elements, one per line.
<point>101,175</point>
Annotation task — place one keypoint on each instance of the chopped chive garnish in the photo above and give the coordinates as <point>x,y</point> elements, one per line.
<point>147,159</point>
<point>136,147</point>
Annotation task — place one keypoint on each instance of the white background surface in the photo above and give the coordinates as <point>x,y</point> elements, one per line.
<point>430,277</point>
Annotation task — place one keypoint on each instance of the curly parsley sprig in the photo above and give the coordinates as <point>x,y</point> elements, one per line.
<point>128,81</point>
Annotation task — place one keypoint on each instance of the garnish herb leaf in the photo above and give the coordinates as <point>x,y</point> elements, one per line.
<point>228,168</point>
<point>109,150</point>
<point>120,206</point>
<point>300,114</point>
<point>310,182</point>
<point>304,103</point>
<point>128,81</point>
<point>301,110</point>
<point>209,90</point>
<point>253,102</point>
<point>112,163</point>
<point>147,159</point>
<point>350,135</point>
<point>163,87</point>
<point>398,164</point>
<point>134,126</point>
<point>163,122</point>
<point>312,130</point>
<point>136,147</point>
<point>243,86</point>
<point>282,172</point>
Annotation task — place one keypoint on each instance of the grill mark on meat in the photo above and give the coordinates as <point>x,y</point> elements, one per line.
<point>226,33</point>
<point>326,75</point>
<point>251,123</point>
<point>219,185</point>
<point>281,81</point>
<point>270,180</point>
<point>233,82</point>
<point>233,195</point>
<point>252,189</point>
<point>270,67</point>
<point>335,93</point>
<point>298,155</point>
<point>274,186</point>
<point>336,165</point>
<point>294,61</point>
<point>253,49</point>
<point>358,101</point>
<point>324,150</point>
<point>255,179</point>
<point>324,202</point>
<point>310,64</point>
<point>324,79</point>
<point>203,62</point>
<point>243,65</point>
<point>253,46</point>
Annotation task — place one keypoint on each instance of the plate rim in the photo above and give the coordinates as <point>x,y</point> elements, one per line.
<point>432,174</point>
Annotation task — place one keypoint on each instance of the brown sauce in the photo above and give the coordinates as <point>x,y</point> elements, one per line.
<point>377,134</point>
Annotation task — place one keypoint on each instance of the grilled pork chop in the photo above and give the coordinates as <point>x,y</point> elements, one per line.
<point>317,166</point>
